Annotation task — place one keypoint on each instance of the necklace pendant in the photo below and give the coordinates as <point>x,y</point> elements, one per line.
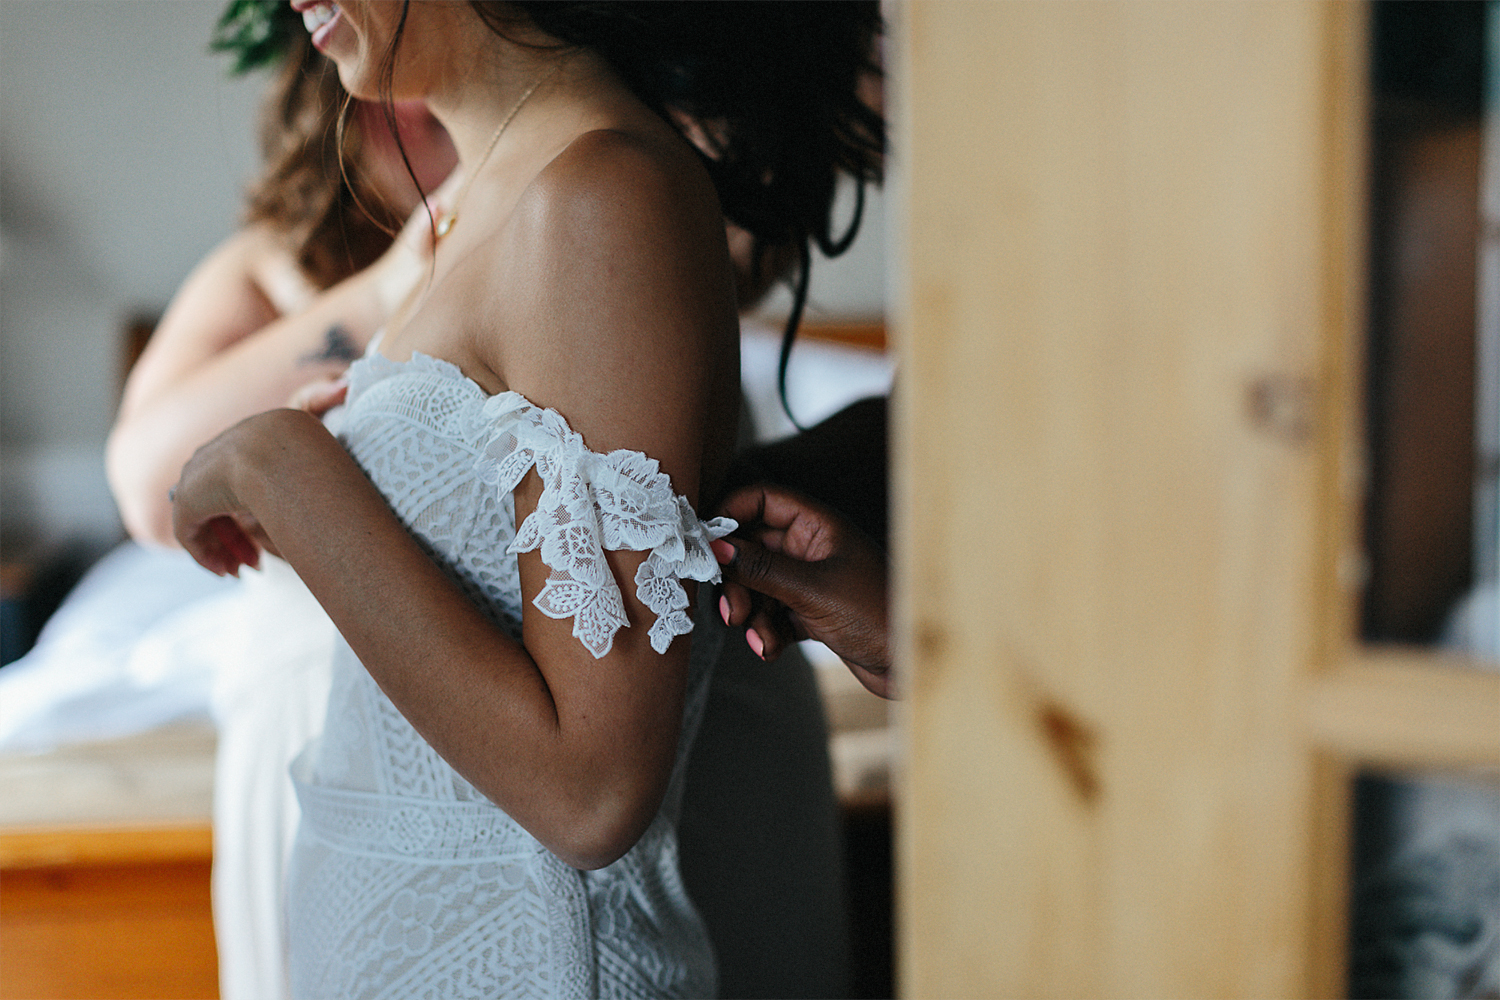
<point>445,224</point>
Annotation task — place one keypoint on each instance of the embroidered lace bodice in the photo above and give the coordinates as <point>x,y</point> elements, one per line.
<point>405,880</point>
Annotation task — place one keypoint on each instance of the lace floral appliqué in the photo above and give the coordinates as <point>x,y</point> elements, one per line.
<point>591,503</point>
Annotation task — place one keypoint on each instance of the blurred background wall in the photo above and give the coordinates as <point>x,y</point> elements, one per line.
<point>123,149</point>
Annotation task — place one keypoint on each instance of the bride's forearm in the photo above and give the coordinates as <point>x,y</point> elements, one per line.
<point>577,750</point>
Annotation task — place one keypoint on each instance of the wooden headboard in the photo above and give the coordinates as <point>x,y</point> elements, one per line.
<point>870,333</point>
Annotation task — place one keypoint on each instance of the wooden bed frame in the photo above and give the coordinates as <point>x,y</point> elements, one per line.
<point>105,853</point>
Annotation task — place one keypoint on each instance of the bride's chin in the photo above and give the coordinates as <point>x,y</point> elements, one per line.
<point>357,78</point>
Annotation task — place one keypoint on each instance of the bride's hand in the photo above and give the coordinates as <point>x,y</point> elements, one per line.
<point>208,517</point>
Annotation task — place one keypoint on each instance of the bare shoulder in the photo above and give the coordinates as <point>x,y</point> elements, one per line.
<point>273,267</point>
<point>611,185</point>
<point>256,260</point>
<point>628,162</point>
<point>223,300</point>
<point>627,307</point>
<point>241,254</point>
<point>623,246</point>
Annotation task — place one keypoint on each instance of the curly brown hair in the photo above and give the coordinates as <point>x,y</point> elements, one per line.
<point>333,219</point>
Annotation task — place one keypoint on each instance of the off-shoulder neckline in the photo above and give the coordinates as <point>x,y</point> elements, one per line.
<point>374,367</point>
<point>382,365</point>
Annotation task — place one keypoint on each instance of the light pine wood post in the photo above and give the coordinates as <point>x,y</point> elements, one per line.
<point>1124,321</point>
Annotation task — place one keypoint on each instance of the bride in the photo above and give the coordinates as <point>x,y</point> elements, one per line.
<point>504,532</point>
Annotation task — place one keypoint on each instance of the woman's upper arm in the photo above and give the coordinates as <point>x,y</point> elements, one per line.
<point>219,303</point>
<point>630,302</point>
<point>630,299</point>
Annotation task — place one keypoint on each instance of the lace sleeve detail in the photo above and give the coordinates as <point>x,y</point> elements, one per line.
<point>591,503</point>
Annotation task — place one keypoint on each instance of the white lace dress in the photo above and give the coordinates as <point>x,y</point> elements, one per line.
<point>405,881</point>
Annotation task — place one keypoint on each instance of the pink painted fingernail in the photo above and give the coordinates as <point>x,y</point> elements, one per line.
<point>723,551</point>
<point>756,646</point>
<point>724,609</point>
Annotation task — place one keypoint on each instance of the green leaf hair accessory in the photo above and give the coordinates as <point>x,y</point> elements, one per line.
<point>256,32</point>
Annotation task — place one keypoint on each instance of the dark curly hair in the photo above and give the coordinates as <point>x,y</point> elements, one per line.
<point>774,88</point>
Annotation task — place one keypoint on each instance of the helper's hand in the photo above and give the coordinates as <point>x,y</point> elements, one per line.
<point>797,570</point>
<point>208,517</point>
<point>319,397</point>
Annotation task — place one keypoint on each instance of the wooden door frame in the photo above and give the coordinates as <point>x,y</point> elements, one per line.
<point>1128,317</point>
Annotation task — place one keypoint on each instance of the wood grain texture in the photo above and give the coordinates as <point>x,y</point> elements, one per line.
<point>867,335</point>
<point>1127,238</point>
<point>48,846</point>
<point>1408,709</point>
<point>108,931</point>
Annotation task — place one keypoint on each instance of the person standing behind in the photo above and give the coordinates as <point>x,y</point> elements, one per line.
<point>294,295</point>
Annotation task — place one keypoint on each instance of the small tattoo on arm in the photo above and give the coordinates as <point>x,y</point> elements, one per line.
<point>337,346</point>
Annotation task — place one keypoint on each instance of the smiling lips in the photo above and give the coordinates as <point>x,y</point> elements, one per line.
<point>318,18</point>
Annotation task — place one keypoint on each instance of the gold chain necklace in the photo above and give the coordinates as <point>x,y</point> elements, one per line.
<point>445,224</point>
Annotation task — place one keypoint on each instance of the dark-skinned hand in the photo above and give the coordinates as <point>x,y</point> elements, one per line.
<point>797,570</point>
